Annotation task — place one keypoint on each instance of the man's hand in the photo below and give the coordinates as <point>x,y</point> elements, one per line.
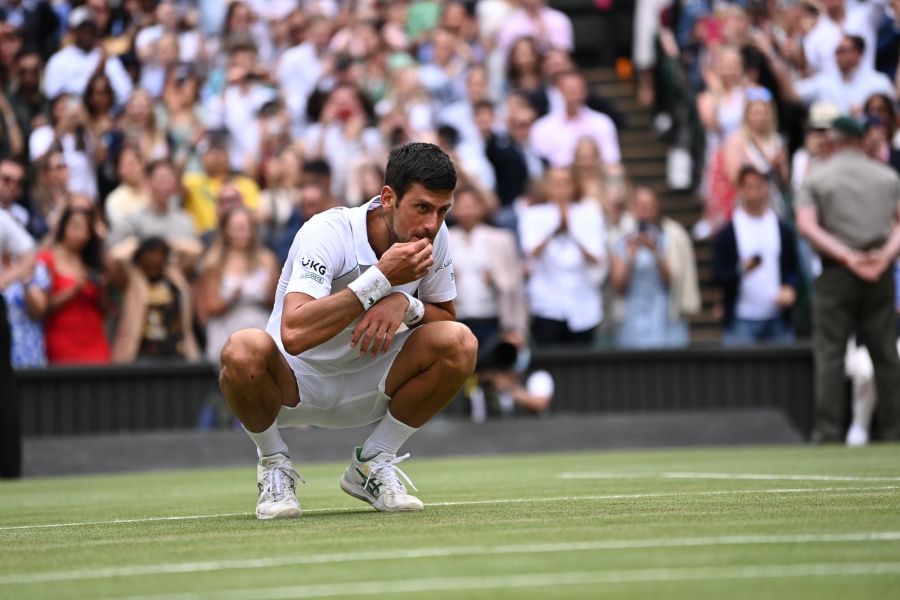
<point>869,266</point>
<point>406,262</point>
<point>375,331</point>
<point>786,297</point>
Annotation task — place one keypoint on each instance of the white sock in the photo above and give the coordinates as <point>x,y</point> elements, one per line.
<point>269,442</point>
<point>387,437</point>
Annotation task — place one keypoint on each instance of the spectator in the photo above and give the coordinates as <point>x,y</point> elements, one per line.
<point>139,127</point>
<point>73,328</point>
<point>38,22</point>
<point>755,264</point>
<point>880,116</point>
<point>300,68</point>
<point>100,121</point>
<point>758,143</point>
<point>16,243</point>
<point>314,198</point>
<point>443,75</point>
<point>848,86</point>
<point>280,196</point>
<point>549,27</point>
<point>500,389</point>
<point>555,136</point>
<point>69,69</point>
<point>181,115</point>
<point>202,189</point>
<point>156,322</point>
<point>563,243</point>
<point>68,128</point>
<point>491,300</point>
<point>51,187</point>
<point>161,217</point>
<point>237,281</point>
<point>11,141</point>
<point>131,195</point>
<point>816,145</point>
<point>848,210</point>
<point>654,270</point>
<point>26,304</point>
<point>12,178</point>
<point>515,164</point>
<point>26,97</point>
<point>365,184</point>
<point>524,74</point>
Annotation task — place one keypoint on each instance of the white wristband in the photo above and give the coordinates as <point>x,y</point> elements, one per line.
<point>415,312</point>
<point>370,287</point>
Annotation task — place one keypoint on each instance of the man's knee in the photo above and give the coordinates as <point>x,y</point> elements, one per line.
<point>458,347</point>
<point>244,356</point>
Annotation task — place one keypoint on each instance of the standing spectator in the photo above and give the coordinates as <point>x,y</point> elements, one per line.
<point>26,304</point>
<point>161,217</point>
<point>26,97</point>
<point>100,113</point>
<point>654,270</point>
<point>15,242</point>
<point>555,136</point>
<point>139,127</point>
<point>202,189</point>
<point>74,327</point>
<point>524,74</point>
<point>491,300</point>
<point>755,265</point>
<point>280,196</point>
<point>849,212</point>
<point>237,281</point>
<point>51,187</point>
<point>563,242</point>
<point>38,22</point>
<point>549,27</point>
<point>157,313</point>
<point>181,115</point>
<point>131,195</point>
<point>70,68</point>
<point>879,109</point>
<point>516,166</point>
<point>300,68</point>
<point>12,143</point>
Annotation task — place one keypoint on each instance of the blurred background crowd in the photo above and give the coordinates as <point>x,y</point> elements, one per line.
<point>162,154</point>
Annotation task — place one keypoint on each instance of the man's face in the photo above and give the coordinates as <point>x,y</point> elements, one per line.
<point>162,182</point>
<point>29,72</point>
<point>11,179</point>
<point>573,90</point>
<point>846,56</point>
<point>754,191</point>
<point>86,36</point>
<point>419,214</point>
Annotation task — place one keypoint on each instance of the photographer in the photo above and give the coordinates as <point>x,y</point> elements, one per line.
<point>755,265</point>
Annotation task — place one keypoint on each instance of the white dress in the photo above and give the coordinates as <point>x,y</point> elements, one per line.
<point>251,310</point>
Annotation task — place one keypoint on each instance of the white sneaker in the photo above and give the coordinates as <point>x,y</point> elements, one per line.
<point>277,481</point>
<point>375,481</point>
<point>857,436</point>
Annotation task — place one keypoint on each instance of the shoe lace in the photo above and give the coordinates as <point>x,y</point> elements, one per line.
<point>387,475</point>
<point>278,479</point>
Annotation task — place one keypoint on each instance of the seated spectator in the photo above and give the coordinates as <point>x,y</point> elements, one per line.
<point>555,136</point>
<point>68,129</point>
<point>132,195</point>
<point>490,299</point>
<point>816,145</point>
<point>26,98</point>
<point>160,218</point>
<point>654,270</point>
<point>156,322</point>
<point>237,281</point>
<point>202,189</point>
<point>881,120</point>
<point>499,389</point>
<point>755,265</point>
<point>563,243</point>
<point>73,329</point>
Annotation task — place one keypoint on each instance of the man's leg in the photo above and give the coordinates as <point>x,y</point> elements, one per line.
<point>257,381</point>
<point>835,311</point>
<point>435,361</point>
<point>877,326</point>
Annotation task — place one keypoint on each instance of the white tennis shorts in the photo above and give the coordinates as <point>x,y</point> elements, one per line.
<point>338,399</point>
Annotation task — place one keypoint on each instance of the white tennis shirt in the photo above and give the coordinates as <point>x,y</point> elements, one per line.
<point>330,251</point>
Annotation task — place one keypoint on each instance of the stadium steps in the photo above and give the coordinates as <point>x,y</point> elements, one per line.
<point>644,157</point>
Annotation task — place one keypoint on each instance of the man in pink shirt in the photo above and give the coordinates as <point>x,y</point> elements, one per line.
<point>555,135</point>
<point>548,26</point>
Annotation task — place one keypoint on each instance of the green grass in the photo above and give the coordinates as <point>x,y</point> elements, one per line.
<point>641,526</point>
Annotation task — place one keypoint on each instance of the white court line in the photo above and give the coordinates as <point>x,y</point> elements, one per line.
<point>438,552</point>
<point>726,476</point>
<point>532,580</point>
<point>472,503</point>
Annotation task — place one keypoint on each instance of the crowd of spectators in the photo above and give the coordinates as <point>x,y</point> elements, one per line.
<point>162,155</point>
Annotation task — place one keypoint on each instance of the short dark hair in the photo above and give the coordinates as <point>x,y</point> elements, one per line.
<point>148,245</point>
<point>746,171</point>
<point>155,164</point>
<point>859,44</point>
<point>421,163</point>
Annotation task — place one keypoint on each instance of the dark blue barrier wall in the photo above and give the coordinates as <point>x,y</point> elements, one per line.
<point>67,400</point>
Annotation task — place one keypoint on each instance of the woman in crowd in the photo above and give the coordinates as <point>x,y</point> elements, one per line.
<point>237,281</point>
<point>51,186</point>
<point>131,195</point>
<point>74,325</point>
<point>100,110</point>
<point>280,196</point>
<point>26,306</point>
<point>653,270</point>
<point>563,241</point>
<point>180,114</point>
<point>524,74</point>
<point>139,127</point>
<point>758,143</point>
<point>882,139</point>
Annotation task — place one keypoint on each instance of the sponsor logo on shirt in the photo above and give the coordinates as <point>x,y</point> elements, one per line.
<point>313,265</point>
<point>446,264</point>
<point>313,276</point>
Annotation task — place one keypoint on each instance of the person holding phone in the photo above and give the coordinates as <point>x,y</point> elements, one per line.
<point>755,266</point>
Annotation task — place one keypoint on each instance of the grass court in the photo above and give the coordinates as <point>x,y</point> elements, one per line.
<point>788,522</point>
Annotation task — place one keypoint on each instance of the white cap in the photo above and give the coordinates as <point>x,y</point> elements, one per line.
<point>80,16</point>
<point>40,141</point>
